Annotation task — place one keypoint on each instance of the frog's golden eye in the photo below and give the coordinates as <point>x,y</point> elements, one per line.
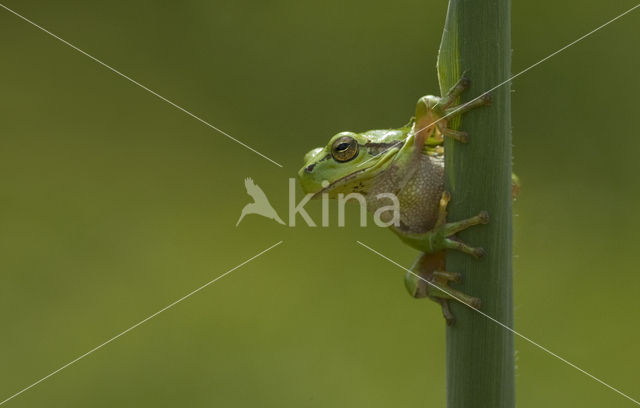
<point>344,149</point>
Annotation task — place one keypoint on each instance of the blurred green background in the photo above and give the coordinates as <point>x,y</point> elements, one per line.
<point>114,204</point>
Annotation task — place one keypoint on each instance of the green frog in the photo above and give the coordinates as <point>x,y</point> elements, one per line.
<point>409,163</point>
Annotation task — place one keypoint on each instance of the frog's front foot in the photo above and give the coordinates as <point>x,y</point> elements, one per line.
<point>434,113</point>
<point>443,233</point>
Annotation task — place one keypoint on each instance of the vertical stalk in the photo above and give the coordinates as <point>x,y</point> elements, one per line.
<point>480,354</point>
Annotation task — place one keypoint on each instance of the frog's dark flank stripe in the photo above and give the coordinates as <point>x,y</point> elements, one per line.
<point>377,148</point>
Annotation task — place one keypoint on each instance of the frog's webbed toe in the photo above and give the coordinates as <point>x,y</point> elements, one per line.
<point>428,278</point>
<point>434,113</point>
<point>443,234</point>
<point>449,229</point>
<point>443,294</point>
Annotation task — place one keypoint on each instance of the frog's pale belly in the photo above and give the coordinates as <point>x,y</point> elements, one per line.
<point>419,196</point>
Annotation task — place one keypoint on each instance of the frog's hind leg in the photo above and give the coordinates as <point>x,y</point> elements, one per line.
<point>446,311</point>
<point>428,278</point>
<point>441,292</point>
<point>422,272</point>
<point>445,302</point>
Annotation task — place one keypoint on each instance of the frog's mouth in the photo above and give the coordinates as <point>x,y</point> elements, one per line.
<point>377,166</point>
<point>339,182</point>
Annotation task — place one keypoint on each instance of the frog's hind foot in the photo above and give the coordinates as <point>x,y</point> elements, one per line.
<point>440,289</point>
<point>428,278</point>
<point>441,292</point>
<point>446,312</point>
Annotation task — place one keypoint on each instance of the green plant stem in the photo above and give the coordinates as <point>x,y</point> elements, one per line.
<point>480,354</point>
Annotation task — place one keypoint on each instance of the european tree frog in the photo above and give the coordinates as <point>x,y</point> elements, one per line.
<point>408,162</point>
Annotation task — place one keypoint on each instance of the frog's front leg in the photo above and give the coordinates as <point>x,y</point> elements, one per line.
<point>442,235</point>
<point>428,278</point>
<point>433,114</point>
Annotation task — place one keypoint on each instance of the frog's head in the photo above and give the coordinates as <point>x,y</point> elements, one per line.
<point>348,163</point>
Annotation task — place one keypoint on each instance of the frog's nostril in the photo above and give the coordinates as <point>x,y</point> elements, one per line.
<point>309,168</point>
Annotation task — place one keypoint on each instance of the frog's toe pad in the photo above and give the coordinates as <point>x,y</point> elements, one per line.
<point>479,253</point>
<point>475,302</point>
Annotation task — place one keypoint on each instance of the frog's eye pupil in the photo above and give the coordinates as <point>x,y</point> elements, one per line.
<point>344,149</point>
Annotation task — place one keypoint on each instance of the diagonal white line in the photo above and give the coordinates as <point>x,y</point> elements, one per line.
<point>517,75</point>
<point>138,324</point>
<point>499,323</point>
<point>140,85</point>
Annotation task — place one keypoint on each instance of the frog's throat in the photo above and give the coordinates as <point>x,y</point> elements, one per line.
<point>378,165</point>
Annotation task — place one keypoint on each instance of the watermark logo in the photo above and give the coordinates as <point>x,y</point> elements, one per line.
<point>260,204</point>
<point>386,211</point>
